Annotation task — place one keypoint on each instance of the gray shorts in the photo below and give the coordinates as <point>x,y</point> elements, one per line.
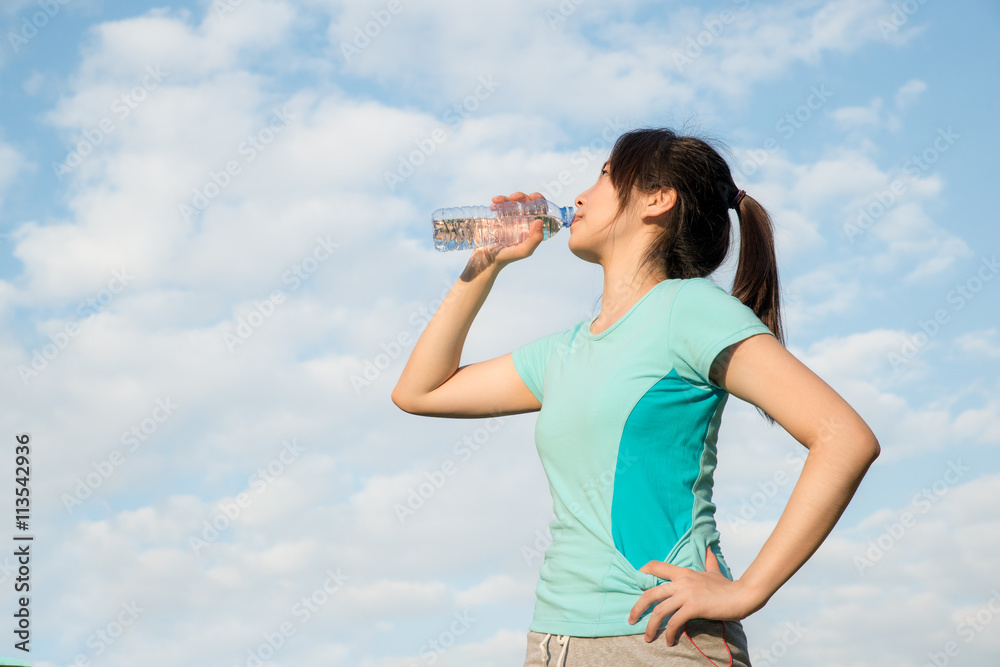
<point>702,643</point>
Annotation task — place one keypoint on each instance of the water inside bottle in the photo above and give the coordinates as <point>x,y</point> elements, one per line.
<point>464,233</point>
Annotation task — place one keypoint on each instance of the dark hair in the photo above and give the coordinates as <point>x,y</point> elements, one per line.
<point>695,237</point>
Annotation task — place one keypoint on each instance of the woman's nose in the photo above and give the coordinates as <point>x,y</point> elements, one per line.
<point>581,199</point>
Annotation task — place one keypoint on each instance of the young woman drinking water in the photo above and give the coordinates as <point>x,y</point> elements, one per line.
<point>630,404</point>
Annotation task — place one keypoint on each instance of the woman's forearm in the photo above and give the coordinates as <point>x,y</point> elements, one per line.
<point>438,351</point>
<point>832,472</point>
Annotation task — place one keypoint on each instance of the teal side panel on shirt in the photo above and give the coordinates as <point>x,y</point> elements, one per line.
<point>659,461</point>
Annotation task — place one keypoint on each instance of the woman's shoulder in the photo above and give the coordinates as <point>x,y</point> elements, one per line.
<point>700,284</point>
<point>702,300</point>
<point>699,293</point>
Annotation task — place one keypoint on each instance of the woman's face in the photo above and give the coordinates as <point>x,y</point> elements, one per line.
<point>596,209</point>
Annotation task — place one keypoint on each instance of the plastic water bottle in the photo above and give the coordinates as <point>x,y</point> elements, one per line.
<point>506,223</point>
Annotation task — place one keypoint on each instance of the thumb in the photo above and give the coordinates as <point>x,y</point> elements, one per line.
<point>534,233</point>
<point>524,248</point>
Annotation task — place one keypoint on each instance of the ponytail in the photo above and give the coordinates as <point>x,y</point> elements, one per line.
<point>756,281</point>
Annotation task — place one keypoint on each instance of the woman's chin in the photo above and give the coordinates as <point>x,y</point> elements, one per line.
<point>584,253</point>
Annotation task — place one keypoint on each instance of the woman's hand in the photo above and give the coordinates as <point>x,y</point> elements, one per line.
<point>690,594</point>
<point>501,256</point>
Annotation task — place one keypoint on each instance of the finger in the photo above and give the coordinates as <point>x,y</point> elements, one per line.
<point>674,627</point>
<point>533,238</point>
<point>662,610</point>
<point>534,229</point>
<point>711,562</point>
<point>518,196</point>
<point>535,195</point>
<point>662,570</point>
<point>649,597</point>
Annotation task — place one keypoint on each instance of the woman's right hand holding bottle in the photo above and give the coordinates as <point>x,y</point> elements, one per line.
<point>500,256</point>
<point>506,254</point>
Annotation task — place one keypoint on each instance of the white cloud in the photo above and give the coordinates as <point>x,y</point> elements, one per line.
<point>121,48</point>
<point>767,40</point>
<point>869,221</point>
<point>850,118</point>
<point>980,425</point>
<point>505,647</point>
<point>496,590</point>
<point>653,63</point>
<point>11,164</point>
<point>909,93</point>
<point>980,344</point>
<point>860,121</point>
<point>814,297</point>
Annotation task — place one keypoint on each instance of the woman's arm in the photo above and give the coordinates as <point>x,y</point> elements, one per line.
<point>432,382</point>
<point>841,447</point>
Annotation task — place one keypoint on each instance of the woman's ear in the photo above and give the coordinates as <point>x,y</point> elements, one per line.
<point>659,202</point>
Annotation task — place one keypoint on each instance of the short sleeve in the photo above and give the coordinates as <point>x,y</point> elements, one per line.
<point>704,320</point>
<point>532,359</point>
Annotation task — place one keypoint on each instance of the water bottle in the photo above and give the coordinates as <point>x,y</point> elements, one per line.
<point>506,223</point>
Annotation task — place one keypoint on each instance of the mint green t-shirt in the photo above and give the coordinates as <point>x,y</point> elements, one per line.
<point>626,435</point>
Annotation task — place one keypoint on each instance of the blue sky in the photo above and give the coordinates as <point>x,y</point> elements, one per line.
<point>193,300</point>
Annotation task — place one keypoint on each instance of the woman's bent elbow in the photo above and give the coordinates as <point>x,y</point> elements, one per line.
<point>876,450</point>
<point>400,401</point>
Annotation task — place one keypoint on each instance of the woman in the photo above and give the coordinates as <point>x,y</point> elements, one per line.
<point>630,404</point>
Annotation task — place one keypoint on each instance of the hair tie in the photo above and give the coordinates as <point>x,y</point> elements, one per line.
<point>737,199</point>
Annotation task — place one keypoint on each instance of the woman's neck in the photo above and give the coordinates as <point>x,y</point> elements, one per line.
<point>623,287</point>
